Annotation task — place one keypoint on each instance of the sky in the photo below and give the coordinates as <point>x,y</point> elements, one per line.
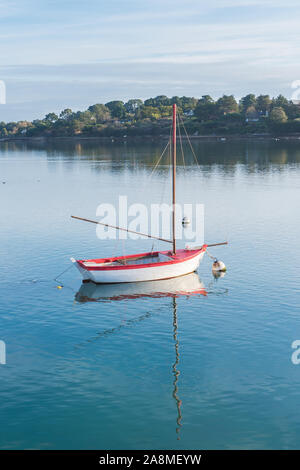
<point>71,54</point>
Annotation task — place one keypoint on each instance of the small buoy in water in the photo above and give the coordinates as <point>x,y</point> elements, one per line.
<point>59,287</point>
<point>218,266</point>
<point>186,221</point>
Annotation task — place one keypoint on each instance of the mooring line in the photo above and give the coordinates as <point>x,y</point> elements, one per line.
<point>60,284</point>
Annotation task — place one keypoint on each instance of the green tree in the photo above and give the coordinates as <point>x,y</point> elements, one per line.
<point>263,103</point>
<point>280,102</point>
<point>50,118</point>
<point>165,111</point>
<point>148,112</point>
<point>132,105</point>
<point>176,100</point>
<point>160,100</point>
<point>206,99</point>
<point>278,115</point>
<point>292,110</point>
<point>12,127</point>
<point>227,104</point>
<point>38,123</point>
<point>117,109</point>
<point>100,112</point>
<point>248,101</point>
<point>188,104</point>
<point>206,108</point>
<point>66,114</point>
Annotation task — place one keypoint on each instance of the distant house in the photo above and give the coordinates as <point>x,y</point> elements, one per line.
<point>189,113</point>
<point>252,115</point>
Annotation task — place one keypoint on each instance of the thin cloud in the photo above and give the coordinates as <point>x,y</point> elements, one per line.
<point>135,48</point>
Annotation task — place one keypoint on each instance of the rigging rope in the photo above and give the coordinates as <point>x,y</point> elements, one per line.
<point>163,191</point>
<point>188,139</point>
<point>157,163</point>
<point>56,278</point>
<point>180,140</point>
<point>168,146</point>
<point>211,256</point>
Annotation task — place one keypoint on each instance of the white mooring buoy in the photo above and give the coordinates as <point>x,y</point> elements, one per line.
<point>218,266</point>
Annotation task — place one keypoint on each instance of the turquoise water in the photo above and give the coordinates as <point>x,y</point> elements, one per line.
<point>151,372</point>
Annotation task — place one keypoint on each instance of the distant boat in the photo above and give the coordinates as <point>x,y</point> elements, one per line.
<point>145,266</point>
<point>181,286</point>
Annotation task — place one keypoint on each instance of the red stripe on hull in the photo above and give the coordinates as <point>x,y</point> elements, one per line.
<point>179,257</point>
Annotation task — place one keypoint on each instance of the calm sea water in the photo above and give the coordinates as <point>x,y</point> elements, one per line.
<point>192,372</point>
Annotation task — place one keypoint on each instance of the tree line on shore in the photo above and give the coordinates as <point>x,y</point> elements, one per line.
<point>205,116</point>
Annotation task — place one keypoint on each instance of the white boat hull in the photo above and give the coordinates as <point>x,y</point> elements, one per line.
<point>98,272</point>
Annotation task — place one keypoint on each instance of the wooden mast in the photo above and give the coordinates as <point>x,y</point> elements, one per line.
<point>174,180</point>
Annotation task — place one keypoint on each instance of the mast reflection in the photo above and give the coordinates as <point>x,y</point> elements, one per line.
<point>176,371</point>
<point>183,286</point>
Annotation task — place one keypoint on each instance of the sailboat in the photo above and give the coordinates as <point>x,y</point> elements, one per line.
<point>148,266</point>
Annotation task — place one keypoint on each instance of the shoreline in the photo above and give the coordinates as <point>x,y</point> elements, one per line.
<point>139,138</point>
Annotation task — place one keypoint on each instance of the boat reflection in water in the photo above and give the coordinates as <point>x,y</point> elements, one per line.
<point>182,286</point>
<point>187,285</point>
